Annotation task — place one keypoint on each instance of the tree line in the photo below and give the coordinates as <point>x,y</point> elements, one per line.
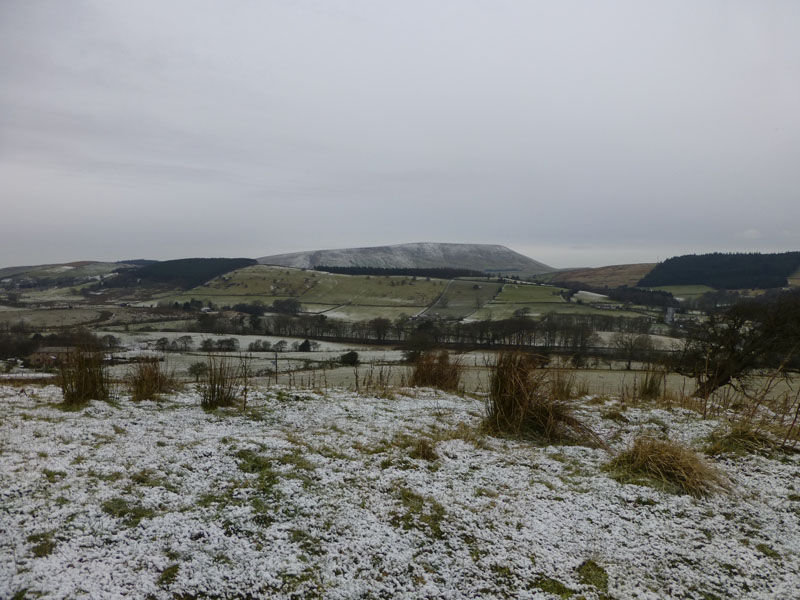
<point>184,272</point>
<point>574,334</point>
<point>732,271</point>
<point>628,295</point>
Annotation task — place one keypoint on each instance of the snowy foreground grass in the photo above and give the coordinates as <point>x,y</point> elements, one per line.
<point>342,496</point>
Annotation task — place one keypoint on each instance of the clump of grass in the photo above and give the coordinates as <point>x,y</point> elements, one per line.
<point>220,383</point>
<point>562,384</point>
<point>667,465</point>
<point>615,414</point>
<point>524,401</point>
<point>739,438</point>
<point>437,370</point>
<point>423,449</point>
<point>652,384</point>
<point>83,377</point>
<point>582,388</point>
<point>148,379</point>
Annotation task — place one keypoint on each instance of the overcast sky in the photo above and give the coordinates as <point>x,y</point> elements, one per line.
<point>576,132</point>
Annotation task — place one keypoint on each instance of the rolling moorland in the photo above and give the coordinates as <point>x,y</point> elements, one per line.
<point>224,428</point>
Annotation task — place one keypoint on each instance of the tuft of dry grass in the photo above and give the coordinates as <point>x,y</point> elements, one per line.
<point>739,438</point>
<point>437,370</point>
<point>653,384</point>
<point>83,377</point>
<point>525,400</point>
<point>668,465</point>
<point>148,378</point>
<point>562,384</point>
<point>423,449</point>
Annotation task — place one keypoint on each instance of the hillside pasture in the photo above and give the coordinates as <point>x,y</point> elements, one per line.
<point>350,312</point>
<point>462,297</point>
<point>611,276</point>
<point>262,280</point>
<point>513,293</point>
<point>49,318</point>
<point>374,291</point>
<point>685,292</point>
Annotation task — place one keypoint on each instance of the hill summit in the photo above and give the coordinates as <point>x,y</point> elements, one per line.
<point>426,255</point>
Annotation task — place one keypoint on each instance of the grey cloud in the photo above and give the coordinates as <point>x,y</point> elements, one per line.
<point>581,133</point>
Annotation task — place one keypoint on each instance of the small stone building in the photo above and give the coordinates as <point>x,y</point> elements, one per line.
<point>50,356</point>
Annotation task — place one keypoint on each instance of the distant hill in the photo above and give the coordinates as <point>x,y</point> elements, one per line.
<point>429,255</point>
<point>732,271</point>
<point>183,272</point>
<point>61,272</point>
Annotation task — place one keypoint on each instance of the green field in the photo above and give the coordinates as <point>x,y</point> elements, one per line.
<point>513,293</point>
<point>261,280</point>
<point>49,318</point>
<point>373,290</point>
<point>346,297</point>
<point>314,287</point>
<point>463,297</point>
<point>687,292</point>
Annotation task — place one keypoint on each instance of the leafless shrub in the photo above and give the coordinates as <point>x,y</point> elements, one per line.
<point>148,379</point>
<point>83,377</point>
<point>223,382</point>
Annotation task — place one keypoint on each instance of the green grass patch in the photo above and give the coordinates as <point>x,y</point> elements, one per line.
<point>590,573</point>
<point>53,476</point>
<point>767,551</point>
<point>168,575</point>
<point>553,586</point>
<point>131,514</point>
<point>421,512</point>
<point>44,544</point>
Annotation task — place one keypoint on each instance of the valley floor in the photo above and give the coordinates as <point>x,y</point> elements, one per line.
<point>343,496</point>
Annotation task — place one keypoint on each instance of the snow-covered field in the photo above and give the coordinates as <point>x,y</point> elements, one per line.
<point>333,496</point>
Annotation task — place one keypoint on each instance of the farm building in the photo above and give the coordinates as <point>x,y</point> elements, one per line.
<point>49,356</point>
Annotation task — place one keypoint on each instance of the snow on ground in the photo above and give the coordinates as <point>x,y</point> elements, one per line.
<point>310,495</point>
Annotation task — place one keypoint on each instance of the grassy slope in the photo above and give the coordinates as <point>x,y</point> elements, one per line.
<point>267,283</point>
<point>374,291</point>
<point>685,291</point>
<point>355,298</point>
<point>463,297</point>
<point>612,276</point>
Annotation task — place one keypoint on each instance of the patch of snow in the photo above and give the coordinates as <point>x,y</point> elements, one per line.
<point>343,511</point>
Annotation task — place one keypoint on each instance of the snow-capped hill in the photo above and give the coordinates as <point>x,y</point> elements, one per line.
<point>425,255</point>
